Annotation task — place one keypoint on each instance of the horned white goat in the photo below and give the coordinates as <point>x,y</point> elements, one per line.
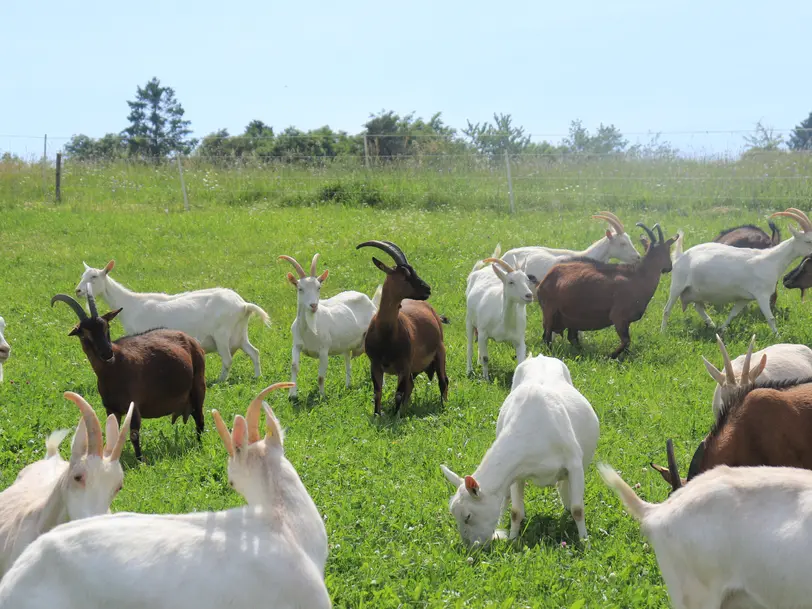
<point>546,433</point>
<point>718,274</point>
<point>270,553</point>
<point>333,326</point>
<point>216,317</point>
<point>5,349</point>
<point>496,308</point>
<point>781,362</point>
<point>53,491</point>
<point>734,536</point>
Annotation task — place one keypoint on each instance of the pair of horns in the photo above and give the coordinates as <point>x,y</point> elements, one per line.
<point>390,248</point>
<point>252,419</point>
<point>77,308</point>
<point>299,268</point>
<point>650,234</point>
<point>501,263</point>
<point>796,214</point>
<point>730,376</point>
<point>612,219</point>
<point>94,431</point>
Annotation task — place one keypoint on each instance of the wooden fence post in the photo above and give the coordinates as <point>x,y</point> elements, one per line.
<point>510,182</point>
<point>58,177</point>
<point>182,184</point>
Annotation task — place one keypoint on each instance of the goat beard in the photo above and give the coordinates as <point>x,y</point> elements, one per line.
<point>310,321</point>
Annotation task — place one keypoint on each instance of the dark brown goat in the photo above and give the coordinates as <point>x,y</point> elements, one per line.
<point>162,371</point>
<point>800,277</point>
<point>584,294</point>
<point>749,235</point>
<point>405,337</point>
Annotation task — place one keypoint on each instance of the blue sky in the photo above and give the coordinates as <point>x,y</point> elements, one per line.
<point>644,66</point>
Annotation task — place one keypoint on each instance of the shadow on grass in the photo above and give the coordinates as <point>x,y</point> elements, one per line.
<point>159,446</point>
<point>308,402</point>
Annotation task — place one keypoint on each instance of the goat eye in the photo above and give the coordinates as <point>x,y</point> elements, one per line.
<point>120,486</point>
<point>79,477</point>
<point>510,283</point>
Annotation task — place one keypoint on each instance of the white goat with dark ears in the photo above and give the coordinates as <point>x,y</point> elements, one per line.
<point>5,350</point>
<point>270,553</point>
<point>333,326</point>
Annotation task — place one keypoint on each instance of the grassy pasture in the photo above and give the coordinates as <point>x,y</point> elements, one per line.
<point>377,482</point>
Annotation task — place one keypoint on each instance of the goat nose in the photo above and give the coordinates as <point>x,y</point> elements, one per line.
<point>314,307</point>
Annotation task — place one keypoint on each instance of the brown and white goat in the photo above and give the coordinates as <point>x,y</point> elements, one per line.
<point>162,371</point>
<point>405,337</point>
<point>585,294</point>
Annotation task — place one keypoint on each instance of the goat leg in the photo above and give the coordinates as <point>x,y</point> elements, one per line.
<point>439,366</point>
<point>404,391</point>
<point>135,433</point>
<point>376,372</point>
<point>572,336</point>
<point>622,329</point>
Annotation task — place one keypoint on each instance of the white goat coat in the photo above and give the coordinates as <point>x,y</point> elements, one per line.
<point>340,324</point>
<point>3,343</point>
<point>485,305</point>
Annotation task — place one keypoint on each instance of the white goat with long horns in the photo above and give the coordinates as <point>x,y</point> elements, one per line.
<point>714,273</point>
<point>333,326</point>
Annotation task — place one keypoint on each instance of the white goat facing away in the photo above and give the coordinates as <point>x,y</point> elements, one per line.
<point>53,491</point>
<point>496,308</point>
<point>715,273</point>
<point>270,553</point>
<point>546,433</point>
<point>5,349</point>
<point>334,326</point>
<point>734,536</point>
<point>216,317</point>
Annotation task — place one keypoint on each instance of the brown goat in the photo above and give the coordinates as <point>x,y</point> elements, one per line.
<point>800,277</point>
<point>751,236</point>
<point>584,294</point>
<point>162,371</point>
<point>405,337</point>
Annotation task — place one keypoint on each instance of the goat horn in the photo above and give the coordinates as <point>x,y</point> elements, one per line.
<point>798,212</point>
<point>115,455</point>
<point>254,408</point>
<point>731,376</point>
<point>223,431</point>
<point>612,220</point>
<point>651,236</point>
<point>398,250</point>
<point>94,432</point>
<point>91,302</point>
<point>295,264</point>
<point>391,249</point>
<point>746,366</point>
<point>676,481</point>
<point>798,216</point>
<point>77,308</point>
<point>659,232</point>
<point>313,264</point>
<point>501,263</point>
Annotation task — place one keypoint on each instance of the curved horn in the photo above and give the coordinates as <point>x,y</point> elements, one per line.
<point>746,365</point>
<point>77,308</point>
<point>91,302</point>
<point>94,432</point>
<point>676,481</point>
<point>295,264</point>
<point>115,455</point>
<point>659,232</point>
<point>731,376</point>
<point>394,252</point>
<point>800,218</point>
<point>651,236</point>
<point>501,263</point>
<point>313,264</point>
<point>799,213</point>
<point>223,431</point>
<point>398,250</point>
<point>254,408</point>
<point>612,219</point>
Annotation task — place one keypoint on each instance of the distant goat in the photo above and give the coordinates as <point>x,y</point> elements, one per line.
<point>217,317</point>
<point>800,277</point>
<point>546,433</point>
<point>750,236</point>
<point>585,294</point>
<point>162,371</point>
<point>405,337</point>
<point>53,491</point>
<point>333,326</point>
<point>5,349</point>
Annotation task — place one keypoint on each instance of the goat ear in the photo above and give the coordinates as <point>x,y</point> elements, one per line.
<point>663,472</point>
<point>609,234</point>
<point>715,373</point>
<point>273,432</point>
<point>239,435</point>
<point>499,272</point>
<point>756,372</point>
<point>292,279</point>
<point>108,267</point>
<point>110,434</point>
<point>644,242</point>
<point>472,486</point>
<point>795,232</point>
<point>75,332</point>
<point>78,448</point>
<point>382,266</point>
<point>453,478</point>
<point>87,268</point>
<point>110,316</point>
<point>323,276</point>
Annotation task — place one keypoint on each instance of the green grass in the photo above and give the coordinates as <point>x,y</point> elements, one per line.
<point>377,483</point>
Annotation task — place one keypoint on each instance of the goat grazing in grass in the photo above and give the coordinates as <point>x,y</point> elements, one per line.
<point>270,553</point>
<point>333,326</point>
<point>405,337</point>
<point>713,273</point>
<point>750,236</point>
<point>588,295</point>
<point>800,277</point>
<point>53,491</point>
<point>546,433</point>
<point>496,305</point>
<point>217,317</point>
<point>5,350</point>
<point>735,537</point>
<point>162,371</point>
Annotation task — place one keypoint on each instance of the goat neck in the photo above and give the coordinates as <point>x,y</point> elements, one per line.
<point>597,251</point>
<point>779,257</point>
<point>387,316</point>
<point>119,297</point>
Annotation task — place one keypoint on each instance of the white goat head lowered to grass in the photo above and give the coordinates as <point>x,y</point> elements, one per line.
<point>216,317</point>
<point>333,326</point>
<point>5,349</point>
<point>52,491</point>
<point>270,553</point>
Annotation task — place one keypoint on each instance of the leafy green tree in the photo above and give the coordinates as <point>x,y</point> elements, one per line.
<point>763,139</point>
<point>494,139</point>
<point>801,138</point>
<point>157,127</point>
<point>107,148</point>
<point>390,135</point>
<point>608,139</point>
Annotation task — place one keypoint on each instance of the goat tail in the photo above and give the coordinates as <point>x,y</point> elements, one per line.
<point>497,253</point>
<point>444,319</point>
<point>638,508</point>
<point>252,309</point>
<point>376,297</point>
<point>53,441</point>
<point>775,236</point>
<point>481,264</point>
<point>677,254</point>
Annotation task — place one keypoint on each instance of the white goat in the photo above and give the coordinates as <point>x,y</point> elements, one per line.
<point>718,274</point>
<point>781,362</point>
<point>270,553</point>
<point>217,317</point>
<point>733,537</point>
<point>52,491</point>
<point>546,433</point>
<point>496,308</point>
<point>5,350</point>
<point>334,326</point>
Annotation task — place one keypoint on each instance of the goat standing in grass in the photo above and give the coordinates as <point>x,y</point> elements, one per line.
<point>496,305</point>
<point>333,326</point>
<point>217,317</point>
<point>5,350</point>
<point>800,277</point>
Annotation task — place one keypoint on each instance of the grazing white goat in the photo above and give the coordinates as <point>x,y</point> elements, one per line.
<point>216,317</point>
<point>733,537</point>
<point>496,308</point>
<point>5,349</point>
<point>781,362</point>
<point>53,491</point>
<point>546,433</point>
<point>270,553</point>
<point>334,326</point>
<point>718,274</point>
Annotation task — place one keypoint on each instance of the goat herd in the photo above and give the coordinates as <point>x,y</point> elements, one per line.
<point>714,539</point>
